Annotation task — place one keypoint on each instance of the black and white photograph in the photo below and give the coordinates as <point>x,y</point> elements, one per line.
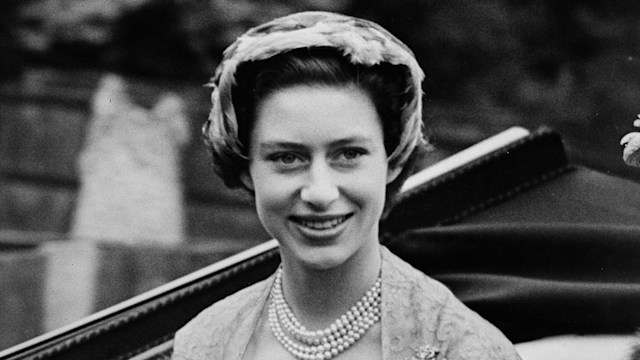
<point>319,180</point>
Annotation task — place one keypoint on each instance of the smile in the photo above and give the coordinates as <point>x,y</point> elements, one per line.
<point>321,224</point>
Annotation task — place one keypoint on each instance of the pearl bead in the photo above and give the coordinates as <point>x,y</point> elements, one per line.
<point>326,343</point>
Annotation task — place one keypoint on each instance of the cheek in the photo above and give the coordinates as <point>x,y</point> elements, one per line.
<point>272,194</point>
<point>368,189</point>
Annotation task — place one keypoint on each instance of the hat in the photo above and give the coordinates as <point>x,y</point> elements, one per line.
<point>361,41</point>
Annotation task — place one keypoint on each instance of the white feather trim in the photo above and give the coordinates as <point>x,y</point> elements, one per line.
<point>362,42</point>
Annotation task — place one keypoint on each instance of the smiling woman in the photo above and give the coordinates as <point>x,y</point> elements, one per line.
<point>318,116</point>
<point>324,203</point>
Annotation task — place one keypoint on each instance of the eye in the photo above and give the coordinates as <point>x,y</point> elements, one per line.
<point>350,154</point>
<point>285,158</point>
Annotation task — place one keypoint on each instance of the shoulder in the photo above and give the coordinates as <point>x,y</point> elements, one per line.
<point>458,331</point>
<point>469,336</point>
<point>209,332</point>
<point>404,279</point>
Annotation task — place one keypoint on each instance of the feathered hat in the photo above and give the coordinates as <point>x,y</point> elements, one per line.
<point>361,41</point>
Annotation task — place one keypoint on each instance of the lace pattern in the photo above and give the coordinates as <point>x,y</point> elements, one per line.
<point>223,330</point>
<point>421,319</point>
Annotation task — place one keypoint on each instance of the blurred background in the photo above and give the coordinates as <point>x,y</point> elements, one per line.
<point>572,65</point>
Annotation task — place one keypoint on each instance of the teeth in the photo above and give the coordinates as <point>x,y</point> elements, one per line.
<point>323,225</point>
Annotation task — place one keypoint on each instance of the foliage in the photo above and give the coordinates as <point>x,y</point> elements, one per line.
<point>571,64</point>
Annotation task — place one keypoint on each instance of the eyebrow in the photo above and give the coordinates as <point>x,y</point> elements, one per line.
<point>284,144</point>
<point>276,145</point>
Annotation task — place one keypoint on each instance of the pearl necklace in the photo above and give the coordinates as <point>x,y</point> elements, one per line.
<point>330,342</point>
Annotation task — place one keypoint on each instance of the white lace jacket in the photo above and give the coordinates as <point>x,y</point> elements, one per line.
<point>419,314</point>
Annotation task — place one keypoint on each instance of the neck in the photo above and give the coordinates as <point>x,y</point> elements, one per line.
<point>319,297</point>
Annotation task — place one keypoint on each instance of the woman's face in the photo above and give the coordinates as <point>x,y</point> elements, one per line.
<point>318,167</point>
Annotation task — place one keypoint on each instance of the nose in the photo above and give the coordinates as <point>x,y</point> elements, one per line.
<point>320,190</point>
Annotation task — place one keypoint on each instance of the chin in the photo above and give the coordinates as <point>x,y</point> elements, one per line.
<point>323,259</point>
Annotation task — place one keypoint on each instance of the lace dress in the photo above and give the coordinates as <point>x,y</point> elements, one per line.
<point>421,319</point>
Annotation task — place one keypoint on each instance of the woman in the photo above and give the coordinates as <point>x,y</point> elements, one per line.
<point>318,115</point>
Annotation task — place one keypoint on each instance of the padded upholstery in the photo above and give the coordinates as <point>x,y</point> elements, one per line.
<point>491,179</point>
<point>534,281</point>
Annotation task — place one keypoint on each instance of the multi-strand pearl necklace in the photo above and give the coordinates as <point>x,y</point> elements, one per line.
<point>330,342</point>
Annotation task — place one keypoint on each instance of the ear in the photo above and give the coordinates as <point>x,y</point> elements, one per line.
<point>393,173</point>
<point>246,180</point>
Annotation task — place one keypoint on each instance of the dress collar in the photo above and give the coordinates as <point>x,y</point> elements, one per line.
<point>409,311</point>
<point>408,319</point>
<point>248,319</point>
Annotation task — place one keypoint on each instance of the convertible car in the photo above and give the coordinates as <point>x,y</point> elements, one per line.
<point>537,245</point>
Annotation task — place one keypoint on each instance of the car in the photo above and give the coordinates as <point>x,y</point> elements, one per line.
<point>540,247</point>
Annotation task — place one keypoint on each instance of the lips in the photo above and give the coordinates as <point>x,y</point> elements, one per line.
<point>324,223</point>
